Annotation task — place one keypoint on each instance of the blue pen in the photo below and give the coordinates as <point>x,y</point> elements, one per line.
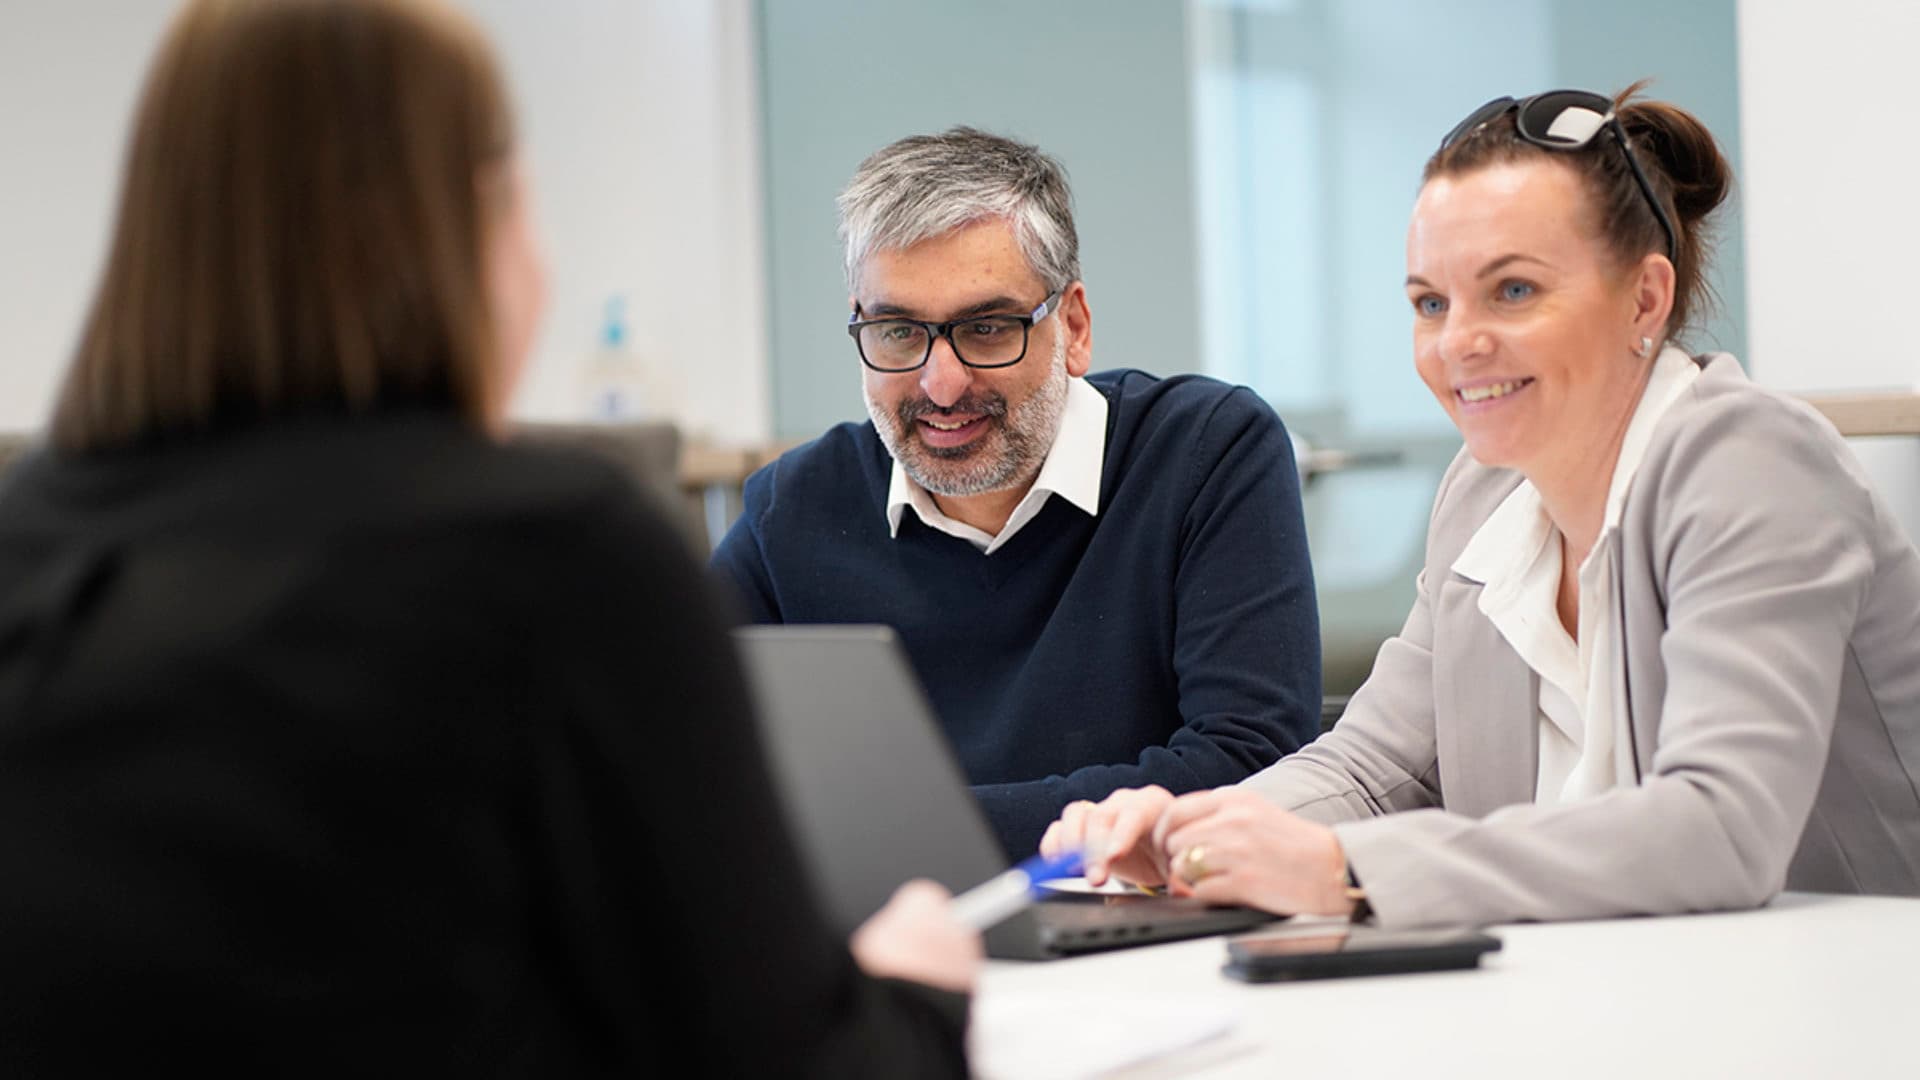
<point>1003,894</point>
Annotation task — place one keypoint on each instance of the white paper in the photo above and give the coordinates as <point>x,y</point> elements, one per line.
<point>1026,1035</point>
<point>1113,887</point>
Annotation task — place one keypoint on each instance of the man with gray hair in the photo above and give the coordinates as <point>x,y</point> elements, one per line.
<point>1102,579</point>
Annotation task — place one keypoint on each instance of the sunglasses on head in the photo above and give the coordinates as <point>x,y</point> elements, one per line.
<point>1564,120</point>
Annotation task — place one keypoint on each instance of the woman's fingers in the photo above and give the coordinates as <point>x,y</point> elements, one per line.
<point>1180,813</point>
<point>1242,849</point>
<point>1113,832</point>
<point>1068,832</point>
<point>1118,835</point>
<point>1110,834</point>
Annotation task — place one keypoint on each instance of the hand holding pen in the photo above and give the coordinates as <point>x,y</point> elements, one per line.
<point>927,936</point>
<point>997,898</point>
<point>916,937</point>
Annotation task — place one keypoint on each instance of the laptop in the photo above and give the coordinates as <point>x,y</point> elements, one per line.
<point>875,797</point>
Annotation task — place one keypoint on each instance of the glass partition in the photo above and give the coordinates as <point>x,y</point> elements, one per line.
<point>1311,122</point>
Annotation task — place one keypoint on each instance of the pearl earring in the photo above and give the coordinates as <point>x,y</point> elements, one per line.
<point>1646,347</point>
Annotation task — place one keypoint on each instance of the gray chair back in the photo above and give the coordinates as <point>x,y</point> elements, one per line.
<point>649,451</point>
<point>13,444</point>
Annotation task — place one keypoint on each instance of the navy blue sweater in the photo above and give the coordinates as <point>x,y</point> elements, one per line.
<point>1170,640</point>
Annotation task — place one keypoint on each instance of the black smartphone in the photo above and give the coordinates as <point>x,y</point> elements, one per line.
<point>1324,952</point>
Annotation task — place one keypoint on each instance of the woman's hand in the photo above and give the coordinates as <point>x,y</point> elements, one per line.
<point>915,937</point>
<point>1234,847</point>
<point>1114,835</point>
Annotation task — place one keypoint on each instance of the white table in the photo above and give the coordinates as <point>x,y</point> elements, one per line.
<point>1811,986</point>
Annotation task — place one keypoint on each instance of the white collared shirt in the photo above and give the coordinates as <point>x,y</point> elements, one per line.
<point>1071,470</point>
<point>1515,555</point>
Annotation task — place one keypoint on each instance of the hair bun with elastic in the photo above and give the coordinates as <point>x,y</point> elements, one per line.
<point>1685,151</point>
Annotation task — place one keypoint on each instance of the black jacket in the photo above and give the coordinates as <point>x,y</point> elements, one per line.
<point>345,745</point>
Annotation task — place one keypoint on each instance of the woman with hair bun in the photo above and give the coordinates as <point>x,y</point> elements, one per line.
<point>1665,652</point>
<point>337,735</point>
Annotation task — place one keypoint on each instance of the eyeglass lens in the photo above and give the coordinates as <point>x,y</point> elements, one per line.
<point>900,345</point>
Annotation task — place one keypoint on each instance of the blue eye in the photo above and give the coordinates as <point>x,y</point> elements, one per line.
<point>1515,290</point>
<point>1429,305</point>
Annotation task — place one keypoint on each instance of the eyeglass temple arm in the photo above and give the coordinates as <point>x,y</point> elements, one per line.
<point>1646,188</point>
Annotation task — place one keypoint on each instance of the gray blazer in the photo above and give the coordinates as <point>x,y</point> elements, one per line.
<point>1771,612</point>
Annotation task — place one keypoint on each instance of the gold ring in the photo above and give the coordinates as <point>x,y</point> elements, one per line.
<point>1193,863</point>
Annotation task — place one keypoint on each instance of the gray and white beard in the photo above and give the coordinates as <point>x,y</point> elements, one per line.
<point>1009,456</point>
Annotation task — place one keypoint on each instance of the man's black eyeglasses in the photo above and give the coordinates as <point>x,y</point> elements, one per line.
<point>979,341</point>
<point>1565,120</point>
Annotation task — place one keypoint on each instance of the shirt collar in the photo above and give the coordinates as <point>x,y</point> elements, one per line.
<point>1506,543</point>
<point>1072,468</point>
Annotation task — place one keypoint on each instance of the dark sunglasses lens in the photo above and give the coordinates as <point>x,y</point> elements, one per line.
<point>1544,118</point>
<point>1476,118</point>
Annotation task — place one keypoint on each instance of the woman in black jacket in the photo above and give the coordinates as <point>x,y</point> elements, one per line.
<point>336,734</point>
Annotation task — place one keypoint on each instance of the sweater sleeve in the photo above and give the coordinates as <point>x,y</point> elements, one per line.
<point>675,888</point>
<point>739,564</point>
<point>1246,634</point>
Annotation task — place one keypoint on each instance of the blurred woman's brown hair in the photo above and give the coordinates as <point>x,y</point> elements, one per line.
<point>301,227</point>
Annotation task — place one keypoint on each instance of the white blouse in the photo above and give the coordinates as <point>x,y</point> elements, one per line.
<point>1515,555</point>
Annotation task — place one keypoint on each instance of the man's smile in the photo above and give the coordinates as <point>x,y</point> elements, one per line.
<point>946,431</point>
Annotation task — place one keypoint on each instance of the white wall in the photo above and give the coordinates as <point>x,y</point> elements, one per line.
<point>68,76</point>
<point>640,120</point>
<point>1832,219</point>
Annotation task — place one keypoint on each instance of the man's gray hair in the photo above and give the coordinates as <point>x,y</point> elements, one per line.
<point>927,185</point>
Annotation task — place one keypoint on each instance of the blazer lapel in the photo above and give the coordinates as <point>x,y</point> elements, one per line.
<point>1486,734</point>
